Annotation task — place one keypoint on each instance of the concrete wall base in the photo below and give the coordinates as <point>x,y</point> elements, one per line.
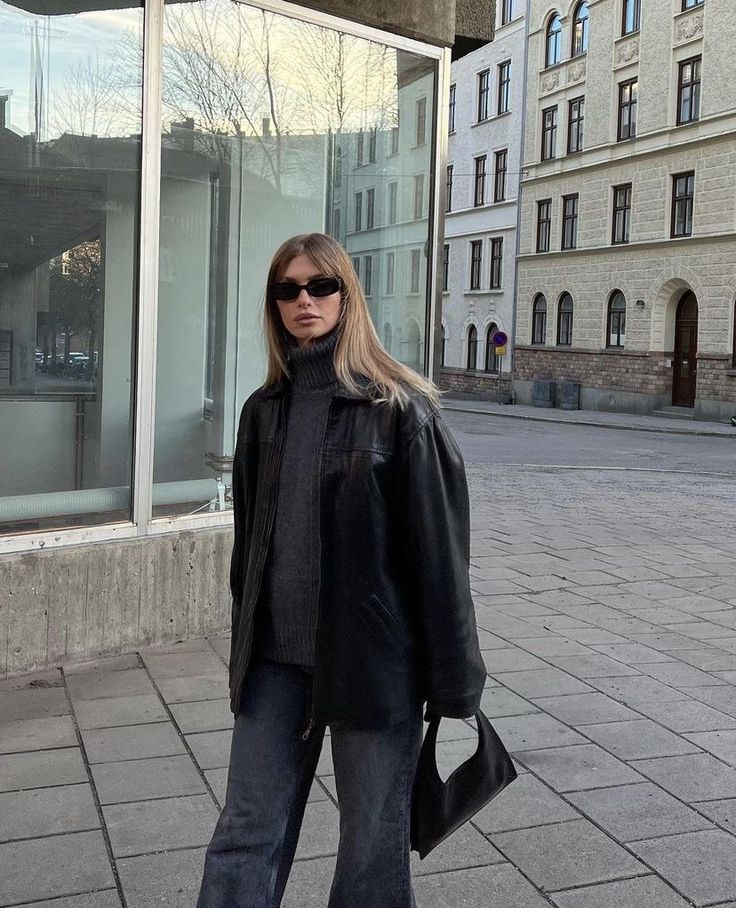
<point>79,603</point>
<point>608,400</point>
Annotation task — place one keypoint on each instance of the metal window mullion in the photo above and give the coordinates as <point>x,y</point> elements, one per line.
<point>148,267</point>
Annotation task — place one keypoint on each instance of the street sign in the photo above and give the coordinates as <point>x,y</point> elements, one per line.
<point>499,340</point>
<point>501,351</point>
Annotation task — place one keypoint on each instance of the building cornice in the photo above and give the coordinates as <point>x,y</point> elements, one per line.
<point>624,248</point>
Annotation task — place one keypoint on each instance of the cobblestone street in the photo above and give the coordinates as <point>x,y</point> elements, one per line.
<point>606,603</point>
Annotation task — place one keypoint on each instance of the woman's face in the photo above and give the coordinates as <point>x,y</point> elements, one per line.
<point>307,318</point>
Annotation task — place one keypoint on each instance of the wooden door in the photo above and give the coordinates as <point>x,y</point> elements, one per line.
<point>686,352</point>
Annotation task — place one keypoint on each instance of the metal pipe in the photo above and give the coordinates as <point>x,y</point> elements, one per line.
<point>94,501</point>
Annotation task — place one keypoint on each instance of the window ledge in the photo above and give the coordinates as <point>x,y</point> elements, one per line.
<point>730,373</point>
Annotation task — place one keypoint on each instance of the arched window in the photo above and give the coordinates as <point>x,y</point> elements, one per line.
<point>443,344</point>
<point>472,348</point>
<point>554,41</point>
<point>580,29</point>
<point>539,319</point>
<point>491,364</point>
<point>616,320</point>
<point>564,321</point>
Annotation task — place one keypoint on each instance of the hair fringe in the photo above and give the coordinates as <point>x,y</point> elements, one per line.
<point>359,351</point>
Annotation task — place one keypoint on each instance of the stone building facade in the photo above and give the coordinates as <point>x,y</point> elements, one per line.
<point>484,148</point>
<point>627,268</point>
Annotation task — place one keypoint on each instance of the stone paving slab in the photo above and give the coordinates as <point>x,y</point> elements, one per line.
<point>107,898</point>
<point>160,825</point>
<point>110,745</point>
<point>501,886</point>
<point>638,740</point>
<point>39,769</point>
<point>699,864</point>
<point>528,802</point>
<point>577,767</point>
<point>37,734</point>
<point>32,704</point>
<point>45,811</point>
<point>697,777</point>
<point>34,869</point>
<point>138,709</point>
<point>99,684</point>
<point>206,715</point>
<point>139,780</point>
<point>644,892</point>
<point>168,879</point>
<point>567,854</point>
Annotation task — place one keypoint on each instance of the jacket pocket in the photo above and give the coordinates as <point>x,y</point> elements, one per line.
<point>383,623</point>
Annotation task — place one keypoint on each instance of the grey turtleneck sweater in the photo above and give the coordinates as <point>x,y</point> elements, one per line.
<point>287,612</point>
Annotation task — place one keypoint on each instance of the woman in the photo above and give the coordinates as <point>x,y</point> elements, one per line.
<point>351,600</point>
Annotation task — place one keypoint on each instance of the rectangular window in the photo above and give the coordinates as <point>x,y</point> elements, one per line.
<point>499,178</point>
<point>575,122</point>
<point>691,4</point>
<point>631,16</point>
<point>569,221</point>
<point>504,86</point>
<point>395,139</point>
<point>393,193</point>
<point>421,121</point>
<point>480,181</point>
<point>372,145</point>
<point>415,271</point>
<point>628,93</point>
<point>370,208</point>
<point>484,79</point>
<point>544,224</point>
<point>6,358</point>
<point>476,263</point>
<point>446,267</point>
<point>368,275</point>
<point>621,213</point>
<point>496,262</point>
<point>356,265</point>
<point>549,133</point>
<point>359,148</point>
<point>418,196</point>
<point>358,211</point>
<point>452,109</point>
<point>390,271</point>
<point>683,194</point>
<point>336,223</point>
<point>688,91</point>
<point>448,188</point>
<point>507,11</point>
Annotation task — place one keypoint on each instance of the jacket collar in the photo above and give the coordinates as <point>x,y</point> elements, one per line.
<point>278,388</point>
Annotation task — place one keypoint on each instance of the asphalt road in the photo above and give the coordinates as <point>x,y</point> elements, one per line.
<point>487,439</point>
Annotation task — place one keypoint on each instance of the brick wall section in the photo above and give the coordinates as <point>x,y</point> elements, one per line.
<point>482,383</point>
<point>716,378</point>
<point>638,372</point>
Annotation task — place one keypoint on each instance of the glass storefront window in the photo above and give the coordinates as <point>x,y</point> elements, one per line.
<point>273,126</point>
<point>70,165</point>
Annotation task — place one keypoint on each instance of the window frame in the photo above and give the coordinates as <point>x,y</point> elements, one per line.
<point>484,90</point>
<point>471,361</point>
<point>553,41</point>
<point>501,157</point>
<point>570,222</point>
<point>693,86</point>
<point>358,211</point>
<point>544,224</point>
<point>503,92</point>
<point>421,121</point>
<point>390,274</point>
<point>576,124</point>
<point>452,100</point>
<point>733,337</point>
<point>479,181</point>
<point>691,4</point>
<point>633,7</point>
<point>620,238</point>
<point>580,30</point>
<point>549,133</point>
<point>415,271</point>
<point>372,137</point>
<point>618,316</point>
<point>507,11</point>
<point>476,264</point>
<point>368,275</point>
<point>687,198</point>
<point>446,268</point>
<point>449,176</point>
<point>539,321</point>
<point>370,208</point>
<point>491,360</point>
<point>496,263</point>
<point>566,316</point>
<point>629,106</point>
<point>418,196</point>
<point>393,201</point>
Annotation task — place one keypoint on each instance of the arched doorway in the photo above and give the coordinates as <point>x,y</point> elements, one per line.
<point>684,364</point>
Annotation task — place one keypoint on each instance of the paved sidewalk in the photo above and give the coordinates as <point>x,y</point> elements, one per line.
<point>607,616</point>
<point>591,417</point>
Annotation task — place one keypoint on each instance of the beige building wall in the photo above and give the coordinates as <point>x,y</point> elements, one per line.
<point>652,270</point>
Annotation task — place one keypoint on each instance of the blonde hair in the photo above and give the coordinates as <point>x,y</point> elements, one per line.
<point>358,351</point>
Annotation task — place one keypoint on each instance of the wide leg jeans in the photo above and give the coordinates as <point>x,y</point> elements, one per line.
<point>271,771</point>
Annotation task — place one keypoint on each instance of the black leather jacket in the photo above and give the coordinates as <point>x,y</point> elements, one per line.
<point>396,623</point>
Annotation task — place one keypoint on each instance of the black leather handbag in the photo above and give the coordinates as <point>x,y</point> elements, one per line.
<point>439,808</point>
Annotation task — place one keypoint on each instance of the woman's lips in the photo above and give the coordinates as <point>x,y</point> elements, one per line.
<point>307,318</point>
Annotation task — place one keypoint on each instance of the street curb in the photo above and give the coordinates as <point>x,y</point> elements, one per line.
<point>665,430</point>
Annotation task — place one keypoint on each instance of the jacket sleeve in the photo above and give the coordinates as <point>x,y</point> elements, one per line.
<point>437,535</point>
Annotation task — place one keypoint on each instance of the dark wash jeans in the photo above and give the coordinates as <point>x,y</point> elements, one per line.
<point>271,770</point>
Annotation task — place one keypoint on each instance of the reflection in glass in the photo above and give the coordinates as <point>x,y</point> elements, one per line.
<point>70,124</point>
<point>273,127</point>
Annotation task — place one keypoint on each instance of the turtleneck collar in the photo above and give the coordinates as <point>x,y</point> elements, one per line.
<point>312,367</point>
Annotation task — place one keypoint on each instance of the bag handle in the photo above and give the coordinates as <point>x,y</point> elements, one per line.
<point>429,746</point>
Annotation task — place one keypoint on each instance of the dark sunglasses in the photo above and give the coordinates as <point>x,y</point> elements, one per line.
<point>316,288</point>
